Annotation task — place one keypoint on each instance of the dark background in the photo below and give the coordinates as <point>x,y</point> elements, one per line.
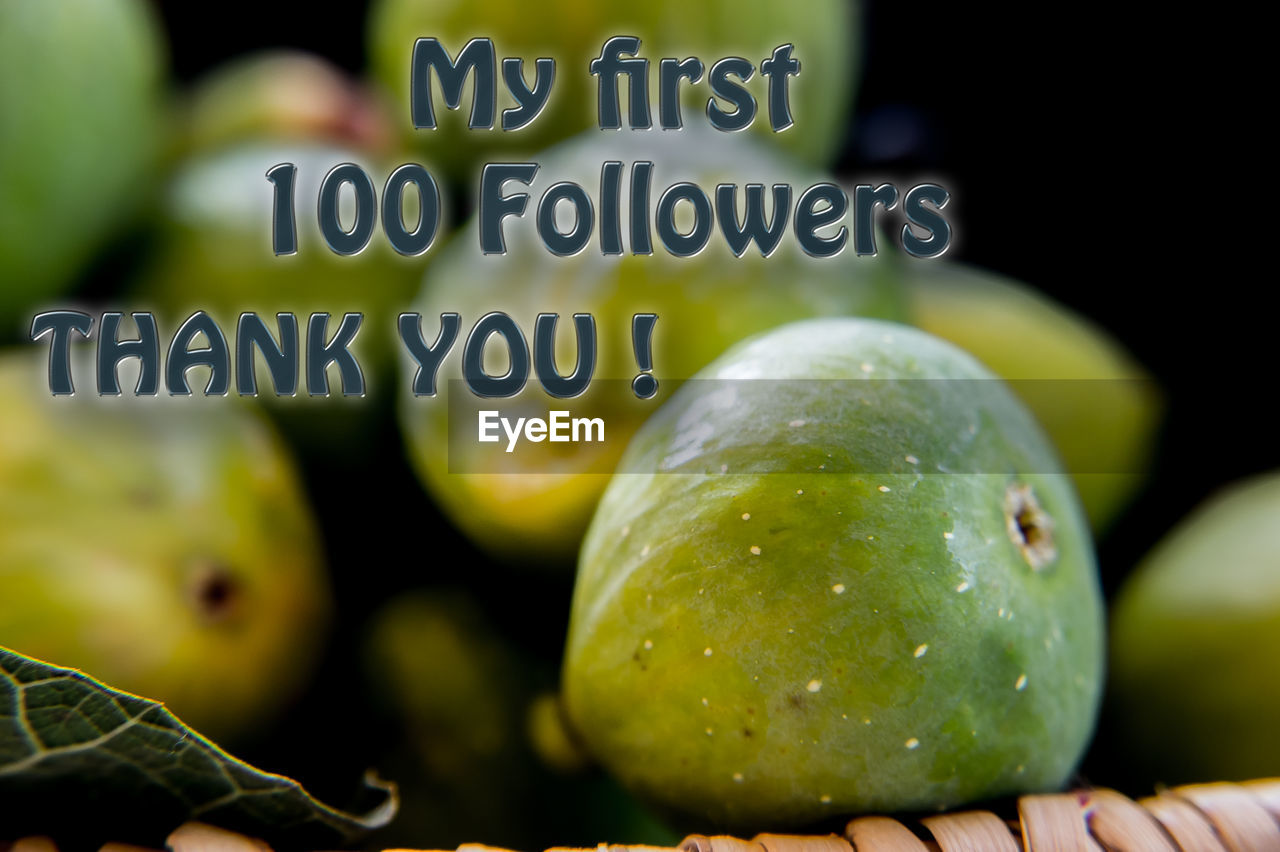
<point>1049,128</point>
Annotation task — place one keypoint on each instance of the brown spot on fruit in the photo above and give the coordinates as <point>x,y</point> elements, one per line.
<point>1030,526</point>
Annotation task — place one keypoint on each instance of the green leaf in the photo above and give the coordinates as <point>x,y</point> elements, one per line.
<point>91,758</point>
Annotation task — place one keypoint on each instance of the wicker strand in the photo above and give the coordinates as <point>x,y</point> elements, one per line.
<point>1222,817</point>
<point>972,831</point>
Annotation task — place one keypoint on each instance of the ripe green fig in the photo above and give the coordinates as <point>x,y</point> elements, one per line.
<point>1195,684</point>
<point>534,504</point>
<point>1103,427</point>
<point>837,572</point>
<point>164,546</point>
<point>823,33</point>
<point>81,95</point>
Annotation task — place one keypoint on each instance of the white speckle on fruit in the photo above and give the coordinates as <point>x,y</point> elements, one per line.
<point>912,743</point>
<point>883,489</point>
<point>866,721</point>
<point>648,644</point>
<point>709,732</point>
<point>822,467</point>
<point>746,516</point>
<point>838,588</point>
<point>814,685</point>
<point>948,536</point>
<point>737,777</point>
<point>826,800</point>
<point>799,490</point>
<point>911,459</point>
<point>1021,683</point>
<point>755,550</point>
<point>844,716</point>
<point>963,587</point>
<point>796,424</point>
<point>707,652</point>
<point>706,703</point>
<point>922,650</point>
<point>702,591</point>
<point>869,538</point>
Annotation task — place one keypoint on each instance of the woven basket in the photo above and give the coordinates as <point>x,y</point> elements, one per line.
<point>1219,817</point>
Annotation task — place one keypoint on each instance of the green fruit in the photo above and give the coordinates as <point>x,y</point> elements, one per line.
<point>837,574</point>
<point>283,94</point>
<point>163,546</point>
<point>450,678</point>
<point>572,32</point>
<point>456,694</point>
<point>80,93</point>
<point>213,253</point>
<point>463,696</point>
<point>1195,683</point>
<point>536,503</point>
<point>1103,427</point>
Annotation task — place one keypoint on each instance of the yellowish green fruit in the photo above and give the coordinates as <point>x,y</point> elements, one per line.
<point>534,504</point>
<point>1099,406</point>
<point>838,572</point>
<point>457,692</point>
<point>449,677</point>
<point>824,33</point>
<point>1195,655</point>
<point>283,94</point>
<point>552,740</point>
<point>161,545</point>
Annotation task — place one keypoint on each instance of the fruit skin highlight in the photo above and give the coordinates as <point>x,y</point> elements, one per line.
<point>161,545</point>
<point>785,609</point>
<point>1195,683</point>
<point>81,99</point>
<point>1104,427</point>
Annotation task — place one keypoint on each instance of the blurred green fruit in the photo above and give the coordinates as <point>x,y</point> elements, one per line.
<point>1103,427</point>
<point>1195,654</point>
<point>456,693</point>
<point>825,35</point>
<point>80,96</point>
<point>460,696</point>
<point>534,504</point>
<point>283,94</point>
<point>552,740</point>
<point>447,675</point>
<point>163,546</point>
<point>214,254</point>
<point>836,573</point>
